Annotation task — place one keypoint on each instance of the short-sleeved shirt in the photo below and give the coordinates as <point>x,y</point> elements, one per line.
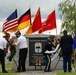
<point>3,43</point>
<point>21,42</point>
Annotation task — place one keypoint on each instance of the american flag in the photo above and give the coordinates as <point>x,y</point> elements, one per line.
<point>11,22</point>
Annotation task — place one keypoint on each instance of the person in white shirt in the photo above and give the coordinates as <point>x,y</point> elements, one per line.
<point>23,49</point>
<point>3,44</point>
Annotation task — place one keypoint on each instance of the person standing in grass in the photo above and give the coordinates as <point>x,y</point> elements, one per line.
<point>3,44</point>
<point>48,46</point>
<point>23,49</point>
<point>66,47</point>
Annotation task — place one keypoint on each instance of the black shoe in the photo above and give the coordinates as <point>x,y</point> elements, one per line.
<point>69,71</point>
<point>45,71</point>
<point>4,72</point>
<point>23,71</point>
<point>18,71</point>
<point>65,71</point>
<point>49,70</point>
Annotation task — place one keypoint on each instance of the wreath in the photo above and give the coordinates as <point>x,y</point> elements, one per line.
<point>60,53</point>
<point>12,49</point>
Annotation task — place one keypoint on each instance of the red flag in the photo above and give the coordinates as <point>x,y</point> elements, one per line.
<point>36,25</point>
<point>49,23</point>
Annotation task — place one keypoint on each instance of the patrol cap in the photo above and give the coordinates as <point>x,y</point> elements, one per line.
<point>51,36</point>
<point>18,32</point>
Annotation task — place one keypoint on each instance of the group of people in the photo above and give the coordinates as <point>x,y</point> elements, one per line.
<point>21,44</point>
<point>66,41</point>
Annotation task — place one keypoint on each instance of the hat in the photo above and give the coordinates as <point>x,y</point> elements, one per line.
<point>7,35</point>
<point>51,36</point>
<point>65,31</point>
<point>18,32</point>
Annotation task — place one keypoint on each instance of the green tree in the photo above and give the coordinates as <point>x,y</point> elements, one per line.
<point>68,15</point>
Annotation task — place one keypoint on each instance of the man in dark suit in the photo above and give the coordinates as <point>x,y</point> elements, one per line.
<point>66,47</point>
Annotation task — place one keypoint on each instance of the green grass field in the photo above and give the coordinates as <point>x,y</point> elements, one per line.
<point>8,66</point>
<point>9,74</point>
<point>61,73</point>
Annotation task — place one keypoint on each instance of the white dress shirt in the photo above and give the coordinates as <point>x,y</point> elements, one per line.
<point>3,43</point>
<point>21,42</point>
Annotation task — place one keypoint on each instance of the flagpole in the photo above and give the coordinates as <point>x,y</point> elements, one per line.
<point>49,33</point>
<point>56,25</point>
<point>30,13</point>
<point>42,30</point>
<point>56,30</point>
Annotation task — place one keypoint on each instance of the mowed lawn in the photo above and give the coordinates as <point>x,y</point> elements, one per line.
<point>9,74</point>
<point>8,66</point>
<point>62,73</point>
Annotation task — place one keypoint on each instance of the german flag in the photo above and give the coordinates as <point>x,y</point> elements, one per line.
<point>24,20</point>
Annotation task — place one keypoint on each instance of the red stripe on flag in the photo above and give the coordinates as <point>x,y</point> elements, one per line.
<point>10,25</point>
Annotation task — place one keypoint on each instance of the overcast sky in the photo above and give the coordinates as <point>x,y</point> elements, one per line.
<point>46,7</point>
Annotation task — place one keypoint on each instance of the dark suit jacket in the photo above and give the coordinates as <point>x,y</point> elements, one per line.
<point>48,46</point>
<point>66,44</point>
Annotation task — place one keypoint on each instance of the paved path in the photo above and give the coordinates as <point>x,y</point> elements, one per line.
<point>42,72</point>
<point>37,73</point>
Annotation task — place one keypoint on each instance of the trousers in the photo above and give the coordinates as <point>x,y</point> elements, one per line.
<point>2,60</point>
<point>67,62</point>
<point>22,59</point>
<point>47,62</point>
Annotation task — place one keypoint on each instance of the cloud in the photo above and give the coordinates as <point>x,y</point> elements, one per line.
<point>46,7</point>
<point>8,6</point>
<point>1,26</point>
